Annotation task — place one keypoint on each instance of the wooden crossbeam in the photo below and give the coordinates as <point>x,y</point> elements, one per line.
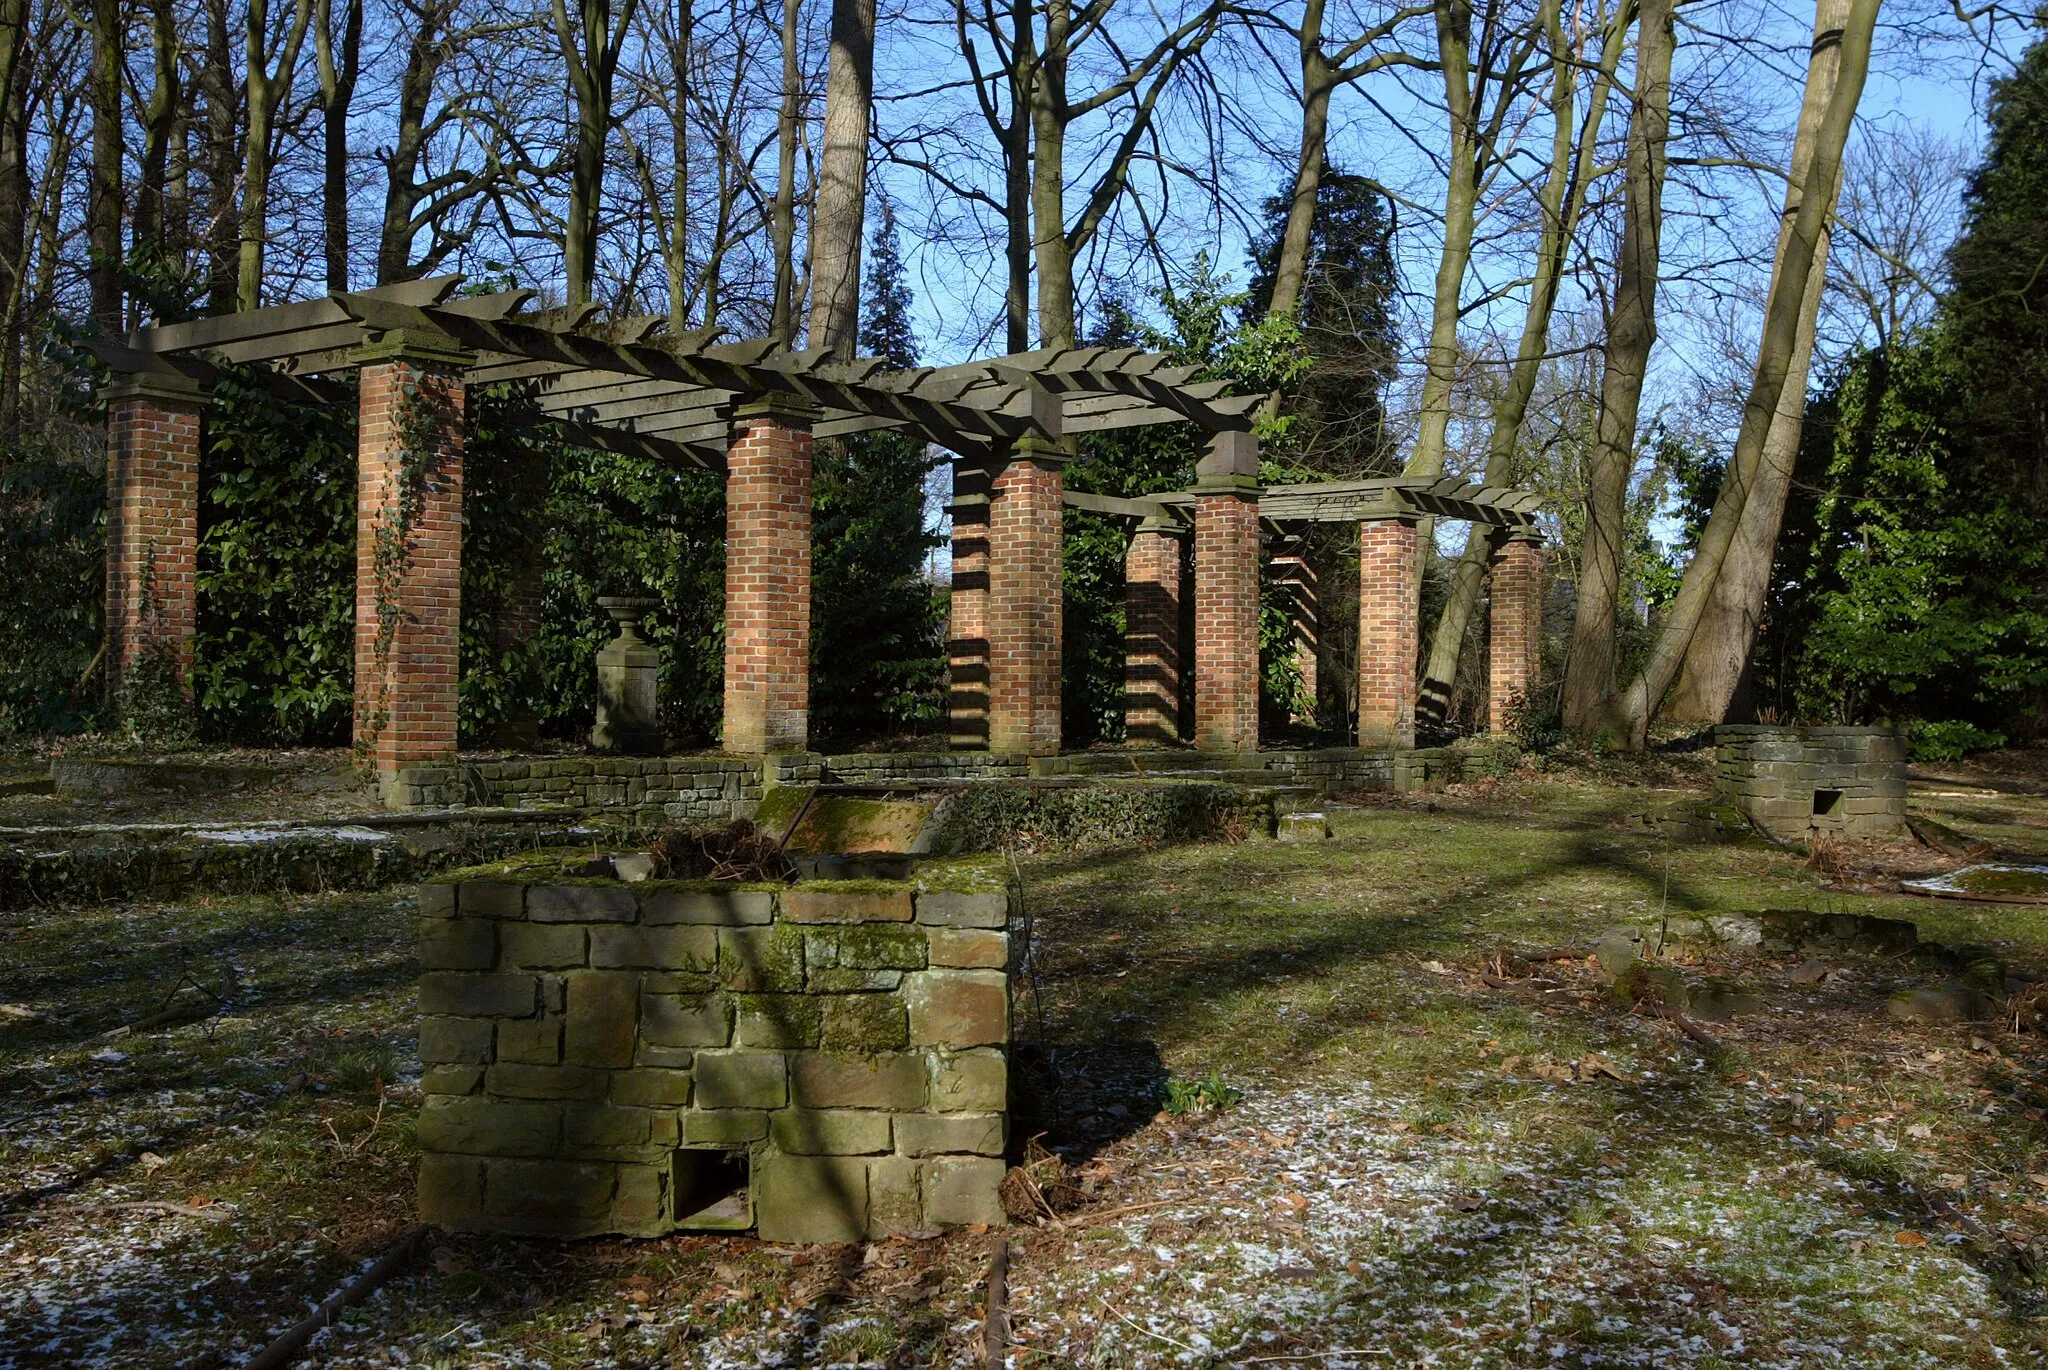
<point>669,452</point>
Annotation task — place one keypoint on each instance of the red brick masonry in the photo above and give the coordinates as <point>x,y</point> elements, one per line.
<point>1152,637</point>
<point>1227,621</point>
<point>1515,634</point>
<point>768,580</point>
<point>152,525</point>
<point>967,613</point>
<point>1026,523</point>
<point>1387,632</point>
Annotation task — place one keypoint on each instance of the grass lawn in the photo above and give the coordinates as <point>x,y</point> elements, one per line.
<point>1433,1162</point>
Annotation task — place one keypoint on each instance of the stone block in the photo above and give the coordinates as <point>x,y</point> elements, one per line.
<point>865,947</point>
<point>958,1008</point>
<point>605,1125</point>
<point>681,948</point>
<point>514,1080</point>
<point>970,1081</point>
<point>581,904</point>
<point>685,1020</point>
<point>732,1128</point>
<point>862,1024</point>
<point>559,1198</point>
<point>933,1134</point>
<point>895,1197</point>
<point>806,1132</point>
<point>961,1189</point>
<point>741,1079</point>
<point>779,1020</point>
<point>453,1040</point>
<point>602,1015</point>
<point>766,960</point>
<point>437,900</point>
<point>491,899</point>
<point>458,944</point>
<point>477,995</point>
<point>489,1127</point>
<point>846,906</point>
<point>950,909</point>
<point>660,1057</point>
<point>810,1198</point>
<point>540,946</point>
<point>647,1087</point>
<point>834,980</point>
<point>451,1191</point>
<point>451,1079</point>
<point>530,1041</point>
<point>721,908</point>
<point>891,1080</point>
<point>641,1201</point>
<point>970,948</point>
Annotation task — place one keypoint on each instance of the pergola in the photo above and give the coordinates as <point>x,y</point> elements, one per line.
<point>751,409</point>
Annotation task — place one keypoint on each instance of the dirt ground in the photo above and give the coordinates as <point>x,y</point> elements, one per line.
<point>1442,1154</point>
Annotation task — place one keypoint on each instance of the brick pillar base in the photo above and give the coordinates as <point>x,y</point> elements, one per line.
<point>152,524</point>
<point>1294,571</point>
<point>967,613</point>
<point>1152,634</point>
<point>1387,632</point>
<point>1227,595</point>
<point>768,578</point>
<point>408,553</point>
<point>1515,628</point>
<point>1025,526</point>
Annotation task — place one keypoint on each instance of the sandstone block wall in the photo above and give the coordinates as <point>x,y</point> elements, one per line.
<point>822,1062</point>
<point>1797,782</point>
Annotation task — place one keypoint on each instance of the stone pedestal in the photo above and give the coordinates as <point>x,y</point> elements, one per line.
<point>628,699</point>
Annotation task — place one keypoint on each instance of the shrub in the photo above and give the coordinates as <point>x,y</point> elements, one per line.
<point>1949,741</point>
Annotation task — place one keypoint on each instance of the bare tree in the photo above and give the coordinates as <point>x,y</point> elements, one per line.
<point>273,57</point>
<point>109,147</point>
<point>838,218</point>
<point>590,47</point>
<point>340,65</point>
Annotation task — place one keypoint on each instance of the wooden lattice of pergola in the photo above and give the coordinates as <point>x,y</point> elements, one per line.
<point>752,409</point>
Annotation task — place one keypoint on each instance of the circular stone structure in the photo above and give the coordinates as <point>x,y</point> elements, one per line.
<point>1799,782</point>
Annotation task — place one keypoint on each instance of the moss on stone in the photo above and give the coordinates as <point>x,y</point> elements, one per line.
<point>779,808</point>
<point>852,886</point>
<point>767,958</point>
<point>866,946</point>
<point>986,874</point>
<point>863,1025</point>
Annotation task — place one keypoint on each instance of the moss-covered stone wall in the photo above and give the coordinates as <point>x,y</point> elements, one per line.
<point>1799,782</point>
<point>598,1053</point>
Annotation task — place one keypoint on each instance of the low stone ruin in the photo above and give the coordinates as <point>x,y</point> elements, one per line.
<point>1796,783</point>
<point>822,1061</point>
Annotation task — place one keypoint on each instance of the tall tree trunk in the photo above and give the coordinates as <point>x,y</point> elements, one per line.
<point>1290,271</point>
<point>223,159</point>
<point>104,193</point>
<point>676,258</point>
<point>593,60</point>
<point>1017,181</point>
<point>267,87</point>
<point>1799,249</point>
<point>338,72</point>
<point>1716,662</point>
<point>1049,182</point>
<point>1562,200</point>
<point>1440,361</point>
<point>15,71</point>
<point>159,120</point>
<point>838,220</point>
<point>782,325</point>
<point>1631,334</point>
<point>402,193</point>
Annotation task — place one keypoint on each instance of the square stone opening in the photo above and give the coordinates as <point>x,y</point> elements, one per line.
<point>1827,803</point>
<point>712,1191</point>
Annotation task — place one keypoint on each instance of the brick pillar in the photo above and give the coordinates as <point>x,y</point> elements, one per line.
<point>1515,626</point>
<point>408,551</point>
<point>1293,570</point>
<point>1387,630</point>
<point>1025,526</point>
<point>1227,595</point>
<point>1152,653</point>
<point>152,521</point>
<point>967,613</point>
<point>768,577</point>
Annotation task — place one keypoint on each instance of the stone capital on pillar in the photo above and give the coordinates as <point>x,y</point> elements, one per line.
<point>768,576</point>
<point>1514,624</point>
<point>1152,646</point>
<point>1388,627</point>
<point>152,595</point>
<point>409,466</point>
<point>1026,524</point>
<point>1226,590</point>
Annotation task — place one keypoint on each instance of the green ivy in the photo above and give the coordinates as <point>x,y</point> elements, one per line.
<point>52,579</point>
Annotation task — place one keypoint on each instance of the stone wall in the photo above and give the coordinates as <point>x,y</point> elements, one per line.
<point>602,1057</point>
<point>1799,782</point>
<point>706,789</point>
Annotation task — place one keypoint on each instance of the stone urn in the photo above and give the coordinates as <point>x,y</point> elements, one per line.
<point>628,704</point>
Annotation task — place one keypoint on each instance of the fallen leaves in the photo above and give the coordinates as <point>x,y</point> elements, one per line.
<point>1585,1070</point>
<point>1909,1238</point>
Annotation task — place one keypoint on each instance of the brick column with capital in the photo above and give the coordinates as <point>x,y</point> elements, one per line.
<point>1025,526</point>
<point>1387,630</point>
<point>408,551</point>
<point>967,612</point>
<point>152,522</point>
<point>1514,626</point>
<point>1227,595</point>
<point>768,577</point>
<point>1152,651</point>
